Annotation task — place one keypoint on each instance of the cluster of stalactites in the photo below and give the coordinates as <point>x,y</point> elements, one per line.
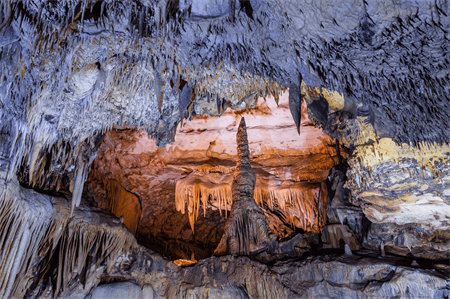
<point>138,66</point>
<point>300,204</point>
<point>42,160</point>
<point>101,247</point>
<point>154,74</point>
<point>22,237</point>
<point>47,164</point>
<point>150,68</point>
<point>196,192</point>
<point>32,227</point>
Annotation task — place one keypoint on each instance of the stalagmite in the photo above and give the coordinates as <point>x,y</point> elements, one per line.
<point>71,68</point>
<point>247,231</point>
<point>347,249</point>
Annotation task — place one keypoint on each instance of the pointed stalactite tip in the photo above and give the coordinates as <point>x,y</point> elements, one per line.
<point>295,105</point>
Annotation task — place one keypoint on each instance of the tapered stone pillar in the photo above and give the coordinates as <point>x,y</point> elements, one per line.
<point>247,231</point>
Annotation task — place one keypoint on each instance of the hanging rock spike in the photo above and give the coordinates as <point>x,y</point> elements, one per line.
<point>34,156</point>
<point>295,105</point>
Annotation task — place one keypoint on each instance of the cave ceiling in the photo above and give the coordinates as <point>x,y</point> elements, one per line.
<point>74,68</point>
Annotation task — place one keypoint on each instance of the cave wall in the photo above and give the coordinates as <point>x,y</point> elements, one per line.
<point>399,187</point>
<point>122,204</point>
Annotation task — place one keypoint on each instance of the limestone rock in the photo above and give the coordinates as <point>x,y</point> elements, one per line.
<point>399,187</point>
<point>122,204</point>
<point>340,208</point>
<point>289,172</point>
<point>337,235</point>
<point>71,70</point>
<point>148,292</point>
<point>418,240</point>
<point>224,277</point>
<point>118,290</point>
<point>247,231</point>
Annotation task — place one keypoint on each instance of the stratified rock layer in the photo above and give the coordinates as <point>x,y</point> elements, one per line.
<point>403,189</point>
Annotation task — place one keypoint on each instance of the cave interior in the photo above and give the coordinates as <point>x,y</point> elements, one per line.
<point>224,149</point>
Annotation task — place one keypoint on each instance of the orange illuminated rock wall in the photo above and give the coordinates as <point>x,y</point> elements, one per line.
<point>290,171</point>
<point>122,204</point>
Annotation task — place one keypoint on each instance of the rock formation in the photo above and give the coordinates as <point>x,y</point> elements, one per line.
<point>122,204</point>
<point>105,83</point>
<point>247,231</point>
<point>290,173</point>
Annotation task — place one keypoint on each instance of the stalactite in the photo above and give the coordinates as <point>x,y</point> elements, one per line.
<point>32,226</point>
<point>98,246</point>
<point>26,228</point>
<point>197,190</point>
<point>33,158</point>
<point>79,179</point>
<point>299,201</point>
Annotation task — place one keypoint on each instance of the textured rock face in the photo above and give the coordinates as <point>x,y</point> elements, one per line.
<point>419,240</point>
<point>40,224</point>
<point>38,241</point>
<point>289,170</point>
<point>117,290</point>
<point>337,235</point>
<point>402,184</point>
<point>400,188</point>
<point>122,204</point>
<point>403,190</point>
